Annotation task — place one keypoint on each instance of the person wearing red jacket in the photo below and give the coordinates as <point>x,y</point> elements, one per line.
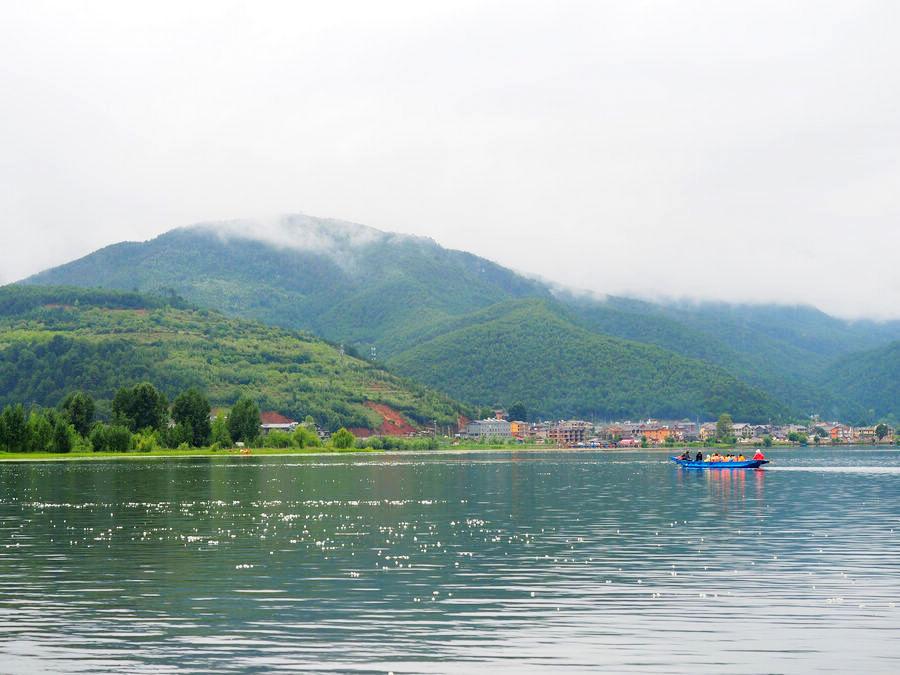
<point>759,455</point>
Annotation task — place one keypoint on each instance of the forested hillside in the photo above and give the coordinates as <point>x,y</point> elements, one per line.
<point>401,295</point>
<point>343,281</point>
<point>55,340</point>
<point>746,346</point>
<point>527,351</point>
<point>870,379</point>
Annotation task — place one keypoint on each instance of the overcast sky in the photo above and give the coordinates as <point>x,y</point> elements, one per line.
<point>726,150</point>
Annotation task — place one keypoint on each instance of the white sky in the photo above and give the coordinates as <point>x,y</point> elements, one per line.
<point>726,150</point>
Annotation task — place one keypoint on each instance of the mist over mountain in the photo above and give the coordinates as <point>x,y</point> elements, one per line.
<point>400,297</point>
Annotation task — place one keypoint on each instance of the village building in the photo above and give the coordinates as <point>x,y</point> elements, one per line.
<point>273,421</point>
<point>868,435</point>
<point>489,428</point>
<point>611,432</point>
<point>656,435</point>
<point>707,431</point>
<point>841,433</point>
<point>567,433</point>
<point>520,430</point>
<point>685,430</point>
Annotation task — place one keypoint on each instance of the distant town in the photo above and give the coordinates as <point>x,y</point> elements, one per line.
<point>655,433</point>
<point>625,434</point>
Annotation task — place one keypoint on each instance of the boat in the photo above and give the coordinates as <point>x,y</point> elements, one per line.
<point>693,464</point>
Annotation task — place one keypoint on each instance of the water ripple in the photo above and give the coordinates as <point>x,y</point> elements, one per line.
<point>436,563</point>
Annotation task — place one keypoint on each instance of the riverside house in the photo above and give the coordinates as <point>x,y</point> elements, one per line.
<point>273,421</point>
<point>489,428</point>
<point>567,433</point>
<point>519,429</point>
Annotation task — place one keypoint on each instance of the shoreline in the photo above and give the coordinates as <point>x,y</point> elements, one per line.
<point>198,453</point>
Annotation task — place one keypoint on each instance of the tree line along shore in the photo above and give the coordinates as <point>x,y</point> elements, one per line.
<point>143,421</point>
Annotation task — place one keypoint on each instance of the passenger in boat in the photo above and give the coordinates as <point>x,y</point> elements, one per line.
<point>685,456</point>
<point>759,455</point>
<point>741,458</point>
<point>699,457</point>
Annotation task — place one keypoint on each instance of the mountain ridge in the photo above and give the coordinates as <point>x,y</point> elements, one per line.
<point>392,292</point>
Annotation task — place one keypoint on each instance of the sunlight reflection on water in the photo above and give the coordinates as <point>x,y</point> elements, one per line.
<point>412,563</point>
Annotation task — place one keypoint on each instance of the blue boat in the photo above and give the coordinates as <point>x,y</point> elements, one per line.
<point>746,464</point>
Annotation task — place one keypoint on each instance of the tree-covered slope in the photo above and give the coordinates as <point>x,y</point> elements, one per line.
<point>340,280</point>
<point>55,340</point>
<point>361,287</point>
<point>871,380</point>
<point>784,350</point>
<point>781,367</point>
<point>530,351</point>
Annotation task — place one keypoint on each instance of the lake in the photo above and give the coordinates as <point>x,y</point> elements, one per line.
<point>464,562</point>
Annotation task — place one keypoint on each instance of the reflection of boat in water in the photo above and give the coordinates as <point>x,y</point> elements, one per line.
<point>693,464</point>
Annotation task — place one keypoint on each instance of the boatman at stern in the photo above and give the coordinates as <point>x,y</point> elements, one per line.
<point>759,455</point>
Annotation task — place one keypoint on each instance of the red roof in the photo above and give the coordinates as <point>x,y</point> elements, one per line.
<point>270,417</point>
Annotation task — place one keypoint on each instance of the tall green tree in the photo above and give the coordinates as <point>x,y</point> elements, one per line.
<point>40,432</point>
<point>139,407</point>
<point>517,412</point>
<point>14,429</point>
<point>724,427</point>
<point>79,408</point>
<point>191,408</point>
<point>219,432</point>
<point>63,435</point>
<point>243,421</point>
<point>881,430</point>
<point>305,437</point>
<point>342,439</point>
<point>176,435</point>
<point>110,438</point>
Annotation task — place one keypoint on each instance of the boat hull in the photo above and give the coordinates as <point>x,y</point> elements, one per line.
<point>746,464</point>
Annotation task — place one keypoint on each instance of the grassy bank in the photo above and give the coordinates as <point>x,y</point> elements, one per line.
<point>166,452</point>
<point>235,452</point>
<point>331,450</point>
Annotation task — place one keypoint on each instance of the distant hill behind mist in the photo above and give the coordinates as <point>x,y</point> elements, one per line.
<point>406,295</point>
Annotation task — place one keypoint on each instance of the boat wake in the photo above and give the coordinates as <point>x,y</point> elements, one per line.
<point>886,470</point>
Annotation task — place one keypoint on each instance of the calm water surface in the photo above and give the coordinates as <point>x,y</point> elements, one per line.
<point>411,563</point>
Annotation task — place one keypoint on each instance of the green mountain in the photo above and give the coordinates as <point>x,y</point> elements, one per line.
<point>343,281</point>
<point>744,344</point>
<point>55,340</point>
<point>871,379</point>
<point>531,351</point>
<point>365,288</point>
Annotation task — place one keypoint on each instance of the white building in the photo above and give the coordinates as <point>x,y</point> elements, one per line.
<point>489,428</point>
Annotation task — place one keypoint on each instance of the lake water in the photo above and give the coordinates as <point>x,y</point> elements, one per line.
<point>452,562</point>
